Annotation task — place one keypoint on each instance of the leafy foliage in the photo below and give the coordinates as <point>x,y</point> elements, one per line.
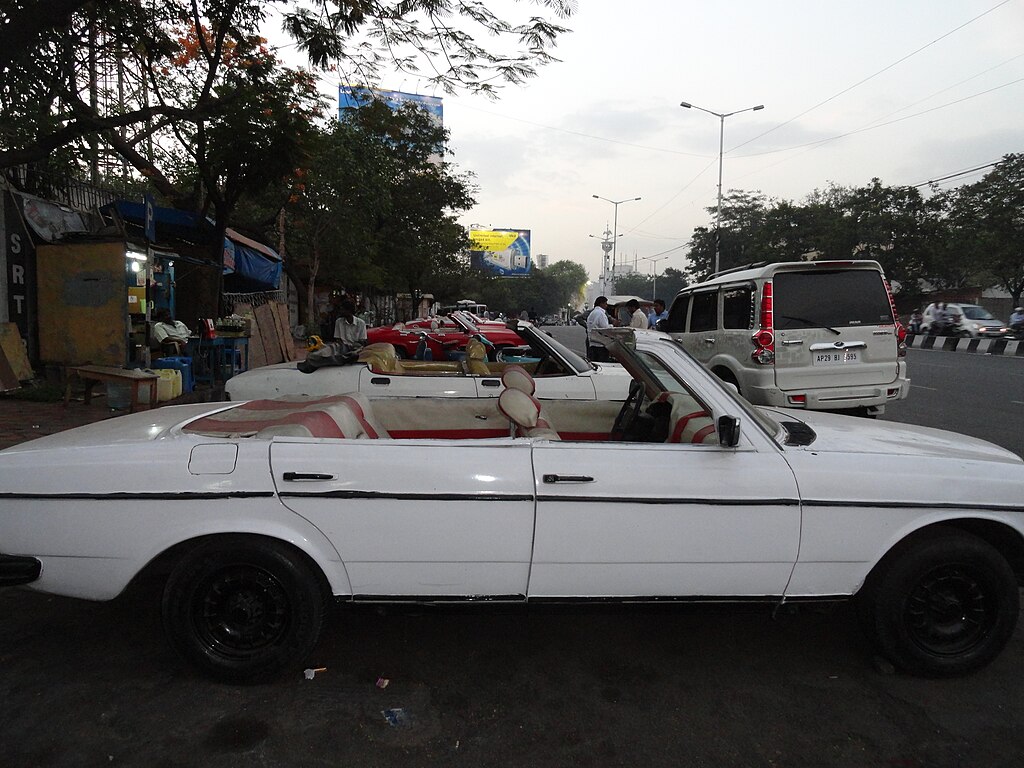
<point>544,291</point>
<point>668,284</point>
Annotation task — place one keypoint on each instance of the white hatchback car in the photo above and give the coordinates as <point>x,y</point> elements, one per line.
<point>256,514</point>
<point>975,321</point>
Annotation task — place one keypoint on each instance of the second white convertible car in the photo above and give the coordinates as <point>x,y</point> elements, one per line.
<point>256,514</point>
<point>379,372</point>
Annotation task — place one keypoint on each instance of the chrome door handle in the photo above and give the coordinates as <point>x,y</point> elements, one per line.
<point>709,340</point>
<point>292,476</point>
<point>793,341</point>
<point>568,479</point>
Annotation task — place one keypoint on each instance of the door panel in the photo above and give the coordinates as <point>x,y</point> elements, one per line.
<point>459,524</point>
<point>661,520</point>
<point>417,385</point>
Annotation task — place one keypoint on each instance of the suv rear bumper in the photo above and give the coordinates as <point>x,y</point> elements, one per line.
<point>16,570</point>
<point>873,397</point>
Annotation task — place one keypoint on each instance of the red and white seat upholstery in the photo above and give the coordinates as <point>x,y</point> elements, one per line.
<point>345,416</point>
<point>519,405</point>
<point>688,421</point>
<point>517,377</point>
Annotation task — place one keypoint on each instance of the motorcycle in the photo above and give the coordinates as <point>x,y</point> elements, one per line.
<point>951,326</point>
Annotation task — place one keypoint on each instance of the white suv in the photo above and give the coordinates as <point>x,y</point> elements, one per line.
<point>821,335</point>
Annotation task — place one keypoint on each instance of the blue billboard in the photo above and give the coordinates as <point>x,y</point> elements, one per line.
<point>354,96</point>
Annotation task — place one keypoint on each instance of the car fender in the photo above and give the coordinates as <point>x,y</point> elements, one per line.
<point>131,541</point>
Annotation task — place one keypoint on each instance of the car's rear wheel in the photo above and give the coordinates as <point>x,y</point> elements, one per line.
<point>242,608</point>
<point>943,606</point>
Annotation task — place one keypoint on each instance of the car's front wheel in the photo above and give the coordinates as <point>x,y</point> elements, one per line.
<point>242,608</point>
<point>944,606</point>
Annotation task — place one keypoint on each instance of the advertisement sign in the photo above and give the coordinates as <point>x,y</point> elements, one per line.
<point>505,252</point>
<point>20,270</point>
<point>353,97</point>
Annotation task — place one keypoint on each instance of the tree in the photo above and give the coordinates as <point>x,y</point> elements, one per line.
<point>332,208</point>
<point>545,291</point>
<point>989,217</point>
<point>56,52</point>
<point>743,216</point>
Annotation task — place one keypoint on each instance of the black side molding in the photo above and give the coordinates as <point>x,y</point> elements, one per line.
<point>15,570</point>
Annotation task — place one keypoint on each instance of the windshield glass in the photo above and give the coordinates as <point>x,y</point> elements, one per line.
<point>974,312</point>
<point>543,341</point>
<point>830,299</point>
<point>662,372</point>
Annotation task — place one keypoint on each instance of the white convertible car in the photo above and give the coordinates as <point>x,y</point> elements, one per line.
<point>259,513</point>
<point>380,372</point>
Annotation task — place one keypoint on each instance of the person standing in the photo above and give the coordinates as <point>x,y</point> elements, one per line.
<point>637,318</point>
<point>348,327</point>
<point>658,313</point>
<point>596,320</point>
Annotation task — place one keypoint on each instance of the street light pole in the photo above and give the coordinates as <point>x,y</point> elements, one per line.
<point>721,158</point>
<point>654,260</point>
<point>615,225</point>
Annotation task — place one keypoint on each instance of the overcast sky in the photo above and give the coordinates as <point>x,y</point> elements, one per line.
<point>905,90</point>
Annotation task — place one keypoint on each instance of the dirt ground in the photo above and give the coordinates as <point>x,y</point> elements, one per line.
<point>91,684</point>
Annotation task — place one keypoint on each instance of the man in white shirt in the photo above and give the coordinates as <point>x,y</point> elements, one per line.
<point>348,327</point>
<point>637,318</point>
<point>169,335</point>
<point>596,320</point>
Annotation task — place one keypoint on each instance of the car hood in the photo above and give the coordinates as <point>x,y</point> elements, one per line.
<point>135,428</point>
<point>852,434</point>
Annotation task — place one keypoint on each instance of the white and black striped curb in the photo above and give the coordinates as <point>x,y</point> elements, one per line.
<point>975,346</point>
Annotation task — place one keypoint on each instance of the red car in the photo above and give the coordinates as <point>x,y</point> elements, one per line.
<point>444,322</point>
<point>413,342</point>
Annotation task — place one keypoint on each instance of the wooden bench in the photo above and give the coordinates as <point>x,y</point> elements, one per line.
<point>135,379</point>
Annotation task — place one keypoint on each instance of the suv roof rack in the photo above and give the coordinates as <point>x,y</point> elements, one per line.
<point>751,265</point>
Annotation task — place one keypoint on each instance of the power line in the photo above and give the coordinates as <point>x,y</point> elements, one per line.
<point>872,76</point>
<point>873,126</point>
<point>957,174</point>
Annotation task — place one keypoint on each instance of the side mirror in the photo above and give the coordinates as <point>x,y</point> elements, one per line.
<point>728,431</point>
<point>661,325</point>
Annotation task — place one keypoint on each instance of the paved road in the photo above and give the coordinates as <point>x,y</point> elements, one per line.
<point>979,395</point>
<point>87,684</point>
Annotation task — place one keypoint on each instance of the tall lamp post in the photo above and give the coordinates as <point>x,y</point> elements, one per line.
<point>721,156</point>
<point>654,260</point>
<point>615,225</point>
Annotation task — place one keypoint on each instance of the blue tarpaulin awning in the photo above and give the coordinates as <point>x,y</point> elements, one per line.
<point>248,264</point>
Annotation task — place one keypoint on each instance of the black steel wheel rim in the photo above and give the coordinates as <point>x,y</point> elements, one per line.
<point>241,611</point>
<point>950,611</point>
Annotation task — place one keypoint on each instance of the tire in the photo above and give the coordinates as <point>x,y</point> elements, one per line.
<point>944,606</point>
<point>400,353</point>
<point>242,608</point>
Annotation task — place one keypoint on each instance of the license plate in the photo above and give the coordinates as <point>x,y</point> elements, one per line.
<point>835,357</point>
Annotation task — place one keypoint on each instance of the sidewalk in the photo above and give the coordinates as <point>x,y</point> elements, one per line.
<point>22,420</point>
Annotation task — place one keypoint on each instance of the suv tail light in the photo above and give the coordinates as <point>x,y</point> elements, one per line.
<point>901,331</point>
<point>764,339</point>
